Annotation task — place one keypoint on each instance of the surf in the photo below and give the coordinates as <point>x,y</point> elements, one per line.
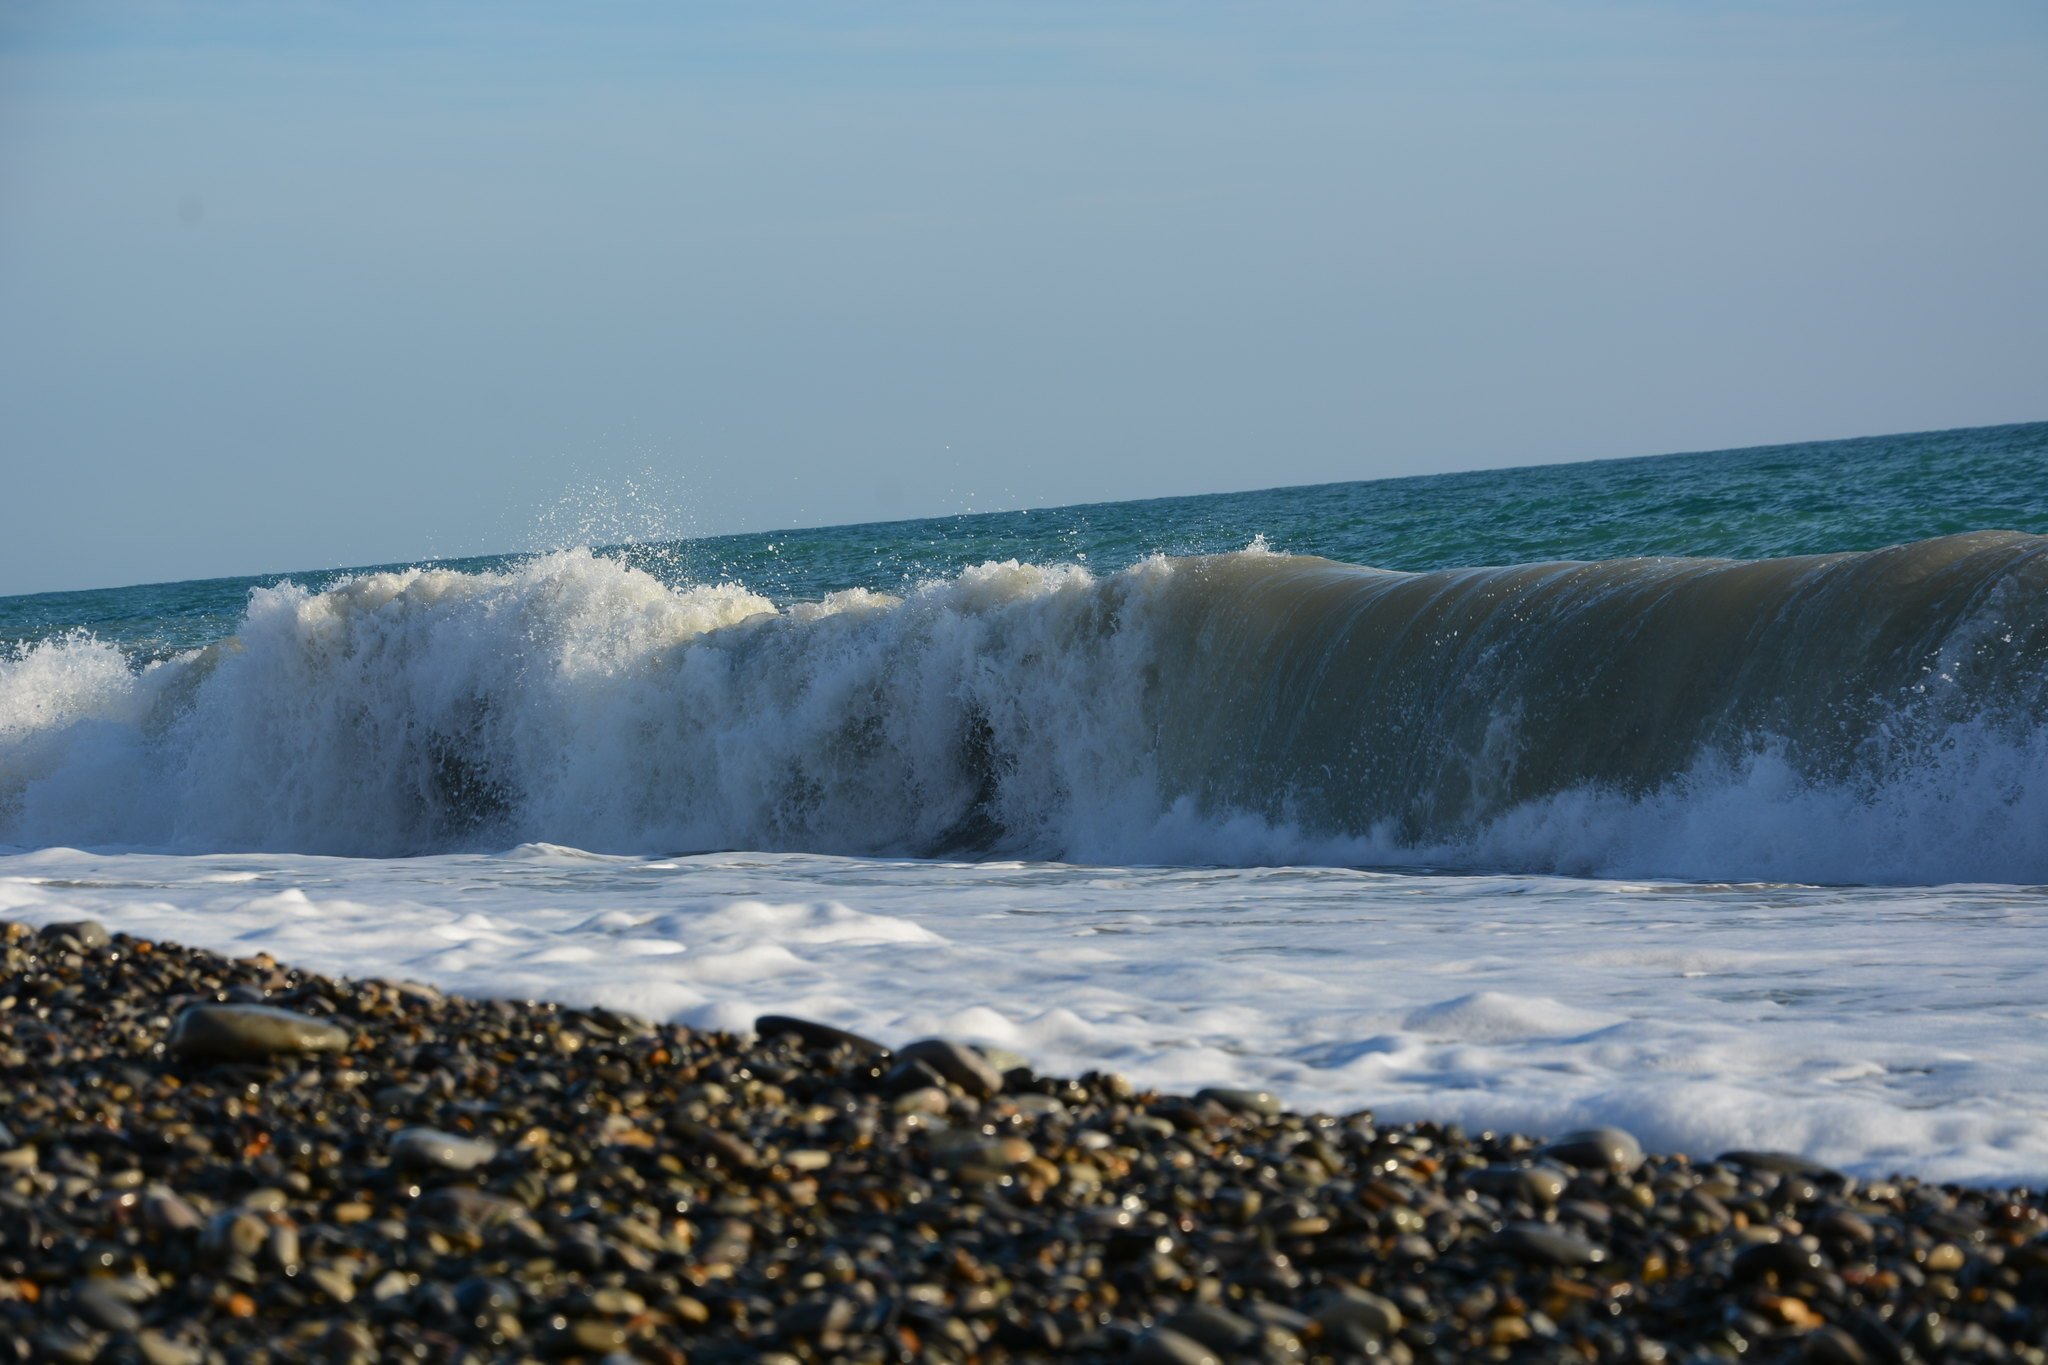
<point>1876,716</point>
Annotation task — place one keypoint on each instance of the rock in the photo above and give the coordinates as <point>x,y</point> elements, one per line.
<point>167,1210</point>
<point>1360,1308</point>
<point>957,1063</point>
<point>1219,1329</point>
<point>1164,1346</point>
<point>910,1077</point>
<point>247,1033</point>
<point>470,1209</point>
<point>1546,1245</point>
<point>159,1349</point>
<point>1786,1262</point>
<point>332,1283</point>
<point>235,1233</point>
<point>1537,1186</point>
<point>1259,1102</point>
<point>98,1304</point>
<point>1592,1149</point>
<point>1833,1346</point>
<point>734,1151</point>
<point>817,1035</point>
<point>1845,1226</point>
<point>82,934</point>
<point>1779,1163</point>
<point>817,1319</point>
<point>430,1147</point>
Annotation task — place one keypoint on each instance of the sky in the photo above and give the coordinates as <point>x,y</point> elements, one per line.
<point>295,285</point>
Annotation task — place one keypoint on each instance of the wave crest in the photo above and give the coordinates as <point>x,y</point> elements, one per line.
<point>1857,717</point>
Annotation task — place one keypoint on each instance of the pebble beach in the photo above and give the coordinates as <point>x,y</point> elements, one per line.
<point>214,1159</point>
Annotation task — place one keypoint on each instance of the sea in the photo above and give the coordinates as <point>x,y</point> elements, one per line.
<point>1705,795</point>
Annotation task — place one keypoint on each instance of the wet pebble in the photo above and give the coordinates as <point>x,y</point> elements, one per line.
<point>431,1147</point>
<point>242,1033</point>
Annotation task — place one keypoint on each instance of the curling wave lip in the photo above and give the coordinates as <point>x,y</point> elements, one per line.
<point>1877,716</point>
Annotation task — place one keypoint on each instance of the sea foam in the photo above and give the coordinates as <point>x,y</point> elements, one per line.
<point>1877,717</point>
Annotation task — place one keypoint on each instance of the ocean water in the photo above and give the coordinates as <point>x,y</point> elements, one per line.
<point>1705,794</point>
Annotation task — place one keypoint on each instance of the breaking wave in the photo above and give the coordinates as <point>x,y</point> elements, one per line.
<point>1870,717</point>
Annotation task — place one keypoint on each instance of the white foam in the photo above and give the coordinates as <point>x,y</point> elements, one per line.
<point>1875,1029</point>
<point>598,712</point>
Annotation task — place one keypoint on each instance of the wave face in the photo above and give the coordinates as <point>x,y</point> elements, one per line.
<point>1870,717</point>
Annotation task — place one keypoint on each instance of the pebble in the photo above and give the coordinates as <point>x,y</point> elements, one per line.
<point>81,935</point>
<point>1610,1149</point>
<point>1164,1346</point>
<point>243,1033</point>
<point>957,1063</point>
<point>1540,1186</point>
<point>1260,1102</point>
<point>480,1180</point>
<point>819,1035</point>
<point>1359,1308</point>
<point>1542,1243</point>
<point>430,1147</point>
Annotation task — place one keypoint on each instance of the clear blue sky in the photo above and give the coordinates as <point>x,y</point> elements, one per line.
<point>292,285</point>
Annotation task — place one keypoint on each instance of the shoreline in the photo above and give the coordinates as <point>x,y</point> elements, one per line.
<point>205,1158</point>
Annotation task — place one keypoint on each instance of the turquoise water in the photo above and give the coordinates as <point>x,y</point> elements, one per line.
<point>1746,504</point>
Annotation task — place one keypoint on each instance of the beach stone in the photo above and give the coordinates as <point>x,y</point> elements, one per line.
<point>1259,1102</point>
<point>333,1283</point>
<point>96,1302</point>
<point>446,1151</point>
<point>168,1210</point>
<point>1844,1225</point>
<point>1546,1245</point>
<point>1787,1262</point>
<point>481,1294</point>
<point>1164,1346</point>
<point>1612,1149</point>
<point>1833,1346</point>
<point>471,1209</point>
<point>246,1033</point>
<point>733,1151</point>
<point>957,1063</point>
<point>1538,1186</point>
<point>235,1233</point>
<point>1360,1308</point>
<point>818,1035</point>
<point>819,1319</point>
<point>1778,1163</point>
<point>85,934</point>
<point>1219,1329</point>
<point>159,1349</point>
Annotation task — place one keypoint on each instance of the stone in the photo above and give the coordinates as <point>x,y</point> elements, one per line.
<point>84,934</point>
<point>1219,1329</point>
<point>1547,1246</point>
<point>818,1035</point>
<point>1164,1346</point>
<point>97,1303</point>
<point>430,1147</point>
<point>159,1349</point>
<point>1261,1103</point>
<point>1779,1163</point>
<point>248,1033</point>
<point>1358,1307</point>
<point>957,1063</point>
<point>1538,1186</point>
<point>1591,1149</point>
